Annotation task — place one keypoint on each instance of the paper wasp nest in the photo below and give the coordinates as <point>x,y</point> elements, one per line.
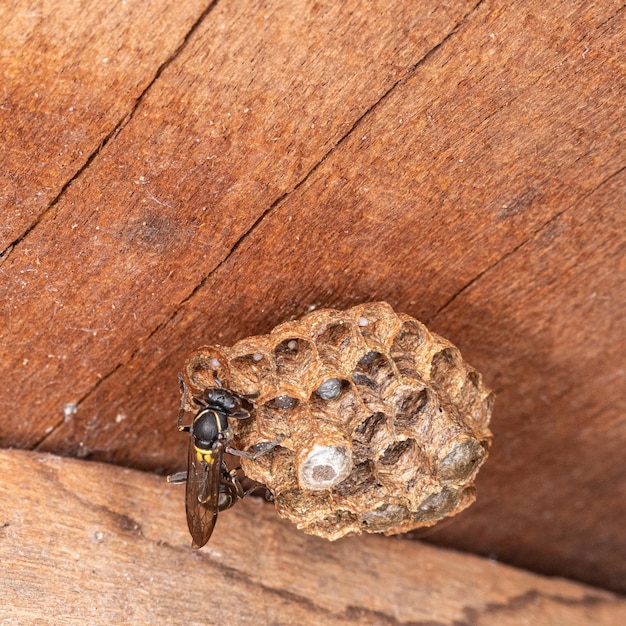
<point>384,425</point>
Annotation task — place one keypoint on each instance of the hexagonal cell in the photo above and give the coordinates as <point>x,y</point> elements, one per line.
<point>481,415</point>
<point>477,410</point>
<point>447,372</point>
<point>377,323</point>
<point>437,505</point>
<point>205,366</point>
<point>252,370</point>
<point>337,524</point>
<point>371,437</point>
<point>333,342</point>
<point>276,468</point>
<point>441,425</point>
<point>361,481</point>
<point>408,349</point>
<point>275,415</point>
<point>412,407</point>
<point>295,358</point>
<point>463,459</point>
<point>373,376</point>
<point>472,392</point>
<point>399,464</point>
<point>384,517</point>
<point>322,467</point>
<point>303,505</point>
<point>473,380</point>
<point>338,403</point>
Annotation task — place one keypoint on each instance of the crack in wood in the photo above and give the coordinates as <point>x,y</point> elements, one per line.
<point>37,445</point>
<point>351,614</point>
<point>517,604</point>
<point>611,17</point>
<point>409,73</point>
<point>532,235</point>
<point>122,122</point>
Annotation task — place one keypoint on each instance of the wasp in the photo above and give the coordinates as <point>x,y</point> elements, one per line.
<point>211,487</point>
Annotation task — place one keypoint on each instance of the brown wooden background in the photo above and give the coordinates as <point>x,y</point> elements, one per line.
<point>174,174</point>
<point>120,555</point>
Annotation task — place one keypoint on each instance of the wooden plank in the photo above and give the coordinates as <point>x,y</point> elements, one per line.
<point>233,123</point>
<point>445,141</point>
<point>373,250</point>
<point>86,541</point>
<point>552,343</point>
<point>71,72</point>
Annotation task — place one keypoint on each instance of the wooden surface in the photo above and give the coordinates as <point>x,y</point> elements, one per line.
<point>86,541</point>
<point>463,161</point>
<point>71,72</point>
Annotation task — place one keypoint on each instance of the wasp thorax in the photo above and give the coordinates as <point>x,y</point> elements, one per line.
<point>207,425</point>
<point>382,425</point>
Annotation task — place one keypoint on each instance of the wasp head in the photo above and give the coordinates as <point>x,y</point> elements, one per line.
<point>225,401</point>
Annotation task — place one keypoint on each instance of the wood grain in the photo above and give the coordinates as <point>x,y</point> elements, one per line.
<point>463,161</point>
<point>70,73</point>
<point>86,541</point>
<point>559,481</point>
<point>226,131</point>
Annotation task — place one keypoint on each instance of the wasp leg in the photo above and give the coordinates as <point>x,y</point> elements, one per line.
<point>178,478</point>
<point>268,495</point>
<point>230,489</point>
<point>257,450</point>
<point>230,478</point>
<point>183,396</point>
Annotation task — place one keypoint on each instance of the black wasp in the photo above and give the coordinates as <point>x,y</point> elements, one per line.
<point>211,487</point>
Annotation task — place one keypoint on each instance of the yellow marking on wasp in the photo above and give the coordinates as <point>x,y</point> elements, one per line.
<point>215,417</point>
<point>217,422</point>
<point>208,456</point>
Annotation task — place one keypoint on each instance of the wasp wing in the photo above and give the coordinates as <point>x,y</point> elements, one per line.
<point>202,494</point>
